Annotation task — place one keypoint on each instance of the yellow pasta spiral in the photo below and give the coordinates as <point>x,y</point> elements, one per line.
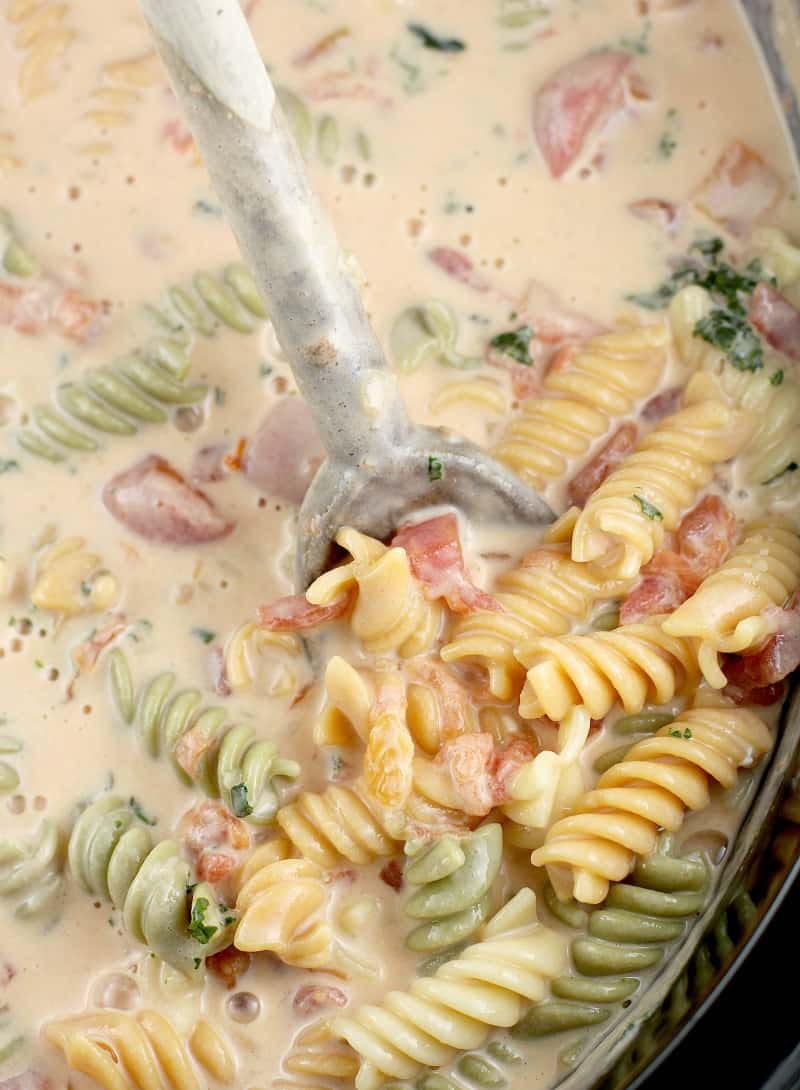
<point>624,521</point>
<point>636,664</point>
<point>70,579</point>
<point>283,906</point>
<point>117,94</point>
<point>658,780</point>
<point>317,1054</point>
<point>141,1051</point>
<point>42,32</point>
<point>544,596</point>
<point>603,380</point>
<point>731,610</point>
<point>488,985</point>
<point>335,826</point>
<point>391,612</point>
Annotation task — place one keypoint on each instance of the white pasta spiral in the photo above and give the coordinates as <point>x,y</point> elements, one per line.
<point>282,905</point>
<point>658,780</point>
<point>141,1051</point>
<point>602,381</point>
<point>544,596</point>
<point>636,664</point>
<point>391,612</point>
<point>43,33</point>
<point>486,986</point>
<point>334,826</point>
<point>624,521</point>
<point>732,609</point>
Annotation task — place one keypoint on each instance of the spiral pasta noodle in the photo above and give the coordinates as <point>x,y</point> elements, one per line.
<point>601,381</point>
<point>43,33</point>
<point>629,934</point>
<point>390,612</point>
<point>636,664</point>
<point>624,521</point>
<point>112,856</point>
<point>425,333</point>
<point>227,762</point>
<point>9,777</point>
<point>116,95</point>
<point>455,876</point>
<point>70,579</point>
<point>31,873</point>
<point>142,1051</point>
<point>486,986</point>
<point>230,299</point>
<point>548,786</point>
<point>316,1054</point>
<point>730,611</point>
<point>249,639</point>
<point>778,254</point>
<point>335,826</point>
<point>544,596</point>
<point>14,256</point>
<point>652,787</point>
<point>282,907</point>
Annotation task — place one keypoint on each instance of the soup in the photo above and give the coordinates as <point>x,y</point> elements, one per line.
<point>432,820</point>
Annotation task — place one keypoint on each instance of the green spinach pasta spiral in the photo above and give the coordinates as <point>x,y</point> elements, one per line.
<point>629,934</point>
<point>112,855</point>
<point>485,987</point>
<point>30,873</point>
<point>456,876</point>
<point>142,386</point>
<point>226,762</point>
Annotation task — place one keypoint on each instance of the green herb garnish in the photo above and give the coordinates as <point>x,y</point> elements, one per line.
<point>776,378</point>
<point>138,809</point>
<point>734,335</point>
<point>198,928</point>
<point>204,634</point>
<point>7,464</point>
<point>515,343</point>
<point>649,510</point>
<point>667,145</point>
<point>239,801</point>
<point>435,41</point>
<point>677,734</point>
<point>435,468</point>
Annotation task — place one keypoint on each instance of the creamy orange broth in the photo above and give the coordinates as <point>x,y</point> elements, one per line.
<point>119,206</point>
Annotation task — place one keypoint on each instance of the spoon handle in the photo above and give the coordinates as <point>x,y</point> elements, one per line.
<point>284,235</point>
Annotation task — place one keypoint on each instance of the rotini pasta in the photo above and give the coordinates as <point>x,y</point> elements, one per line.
<point>70,579</point>
<point>484,987</point>
<point>116,95</point>
<point>390,612</point>
<point>456,876</point>
<point>636,664</point>
<point>9,777</point>
<point>14,256</point>
<point>659,779</point>
<point>629,934</point>
<point>544,596</point>
<point>249,639</point>
<point>425,333</point>
<point>317,1054</point>
<point>335,826</point>
<point>624,521</point>
<point>113,856</point>
<point>730,612</point>
<point>142,1051</point>
<point>484,393</point>
<point>31,873</point>
<point>777,253</point>
<point>547,787</point>
<point>282,904</point>
<point>42,33</point>
<point>601,381</point>
<point>227,762</point>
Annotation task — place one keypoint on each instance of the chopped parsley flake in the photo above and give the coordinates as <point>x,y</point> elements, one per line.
<point>138,809</point>
<point>7,464</point>
<point>435,468</point>
<point>649,510</point>
<point>198,928</point>
<point>734,335</point>
<point>776,378</point>
<point>677,734</point>
<point>435,41</point>
<point>667,145</point>
<point>204,634</point>
<point>515,343</point>
<point>239,801</point>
